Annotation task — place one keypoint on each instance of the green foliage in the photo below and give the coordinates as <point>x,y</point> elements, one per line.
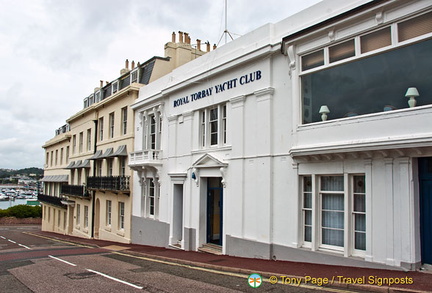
<point>22,211</point>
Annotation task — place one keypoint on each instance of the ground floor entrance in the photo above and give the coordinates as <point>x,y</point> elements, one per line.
<point>425,178</point>
<point>214,210</point>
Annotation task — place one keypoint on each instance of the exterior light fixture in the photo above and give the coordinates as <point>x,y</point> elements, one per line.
<point>412,93</point>
<point>324,110</point>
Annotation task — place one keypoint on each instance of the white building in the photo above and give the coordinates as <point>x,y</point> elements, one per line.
<point>233,149</point>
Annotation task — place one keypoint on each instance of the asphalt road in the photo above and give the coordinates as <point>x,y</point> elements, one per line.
<point>34,264</point>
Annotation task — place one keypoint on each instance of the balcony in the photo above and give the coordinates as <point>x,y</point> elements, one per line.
<point>52,200</point>
<point>145,158</point>
<point>74,190</point>
<point>111,183</point>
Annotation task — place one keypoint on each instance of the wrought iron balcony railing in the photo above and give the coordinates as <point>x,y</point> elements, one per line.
<point>114,183</point>
<point>53,200</point>
<point>74,190</point>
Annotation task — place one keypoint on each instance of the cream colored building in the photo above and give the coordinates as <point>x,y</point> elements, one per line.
<point>93,200</point>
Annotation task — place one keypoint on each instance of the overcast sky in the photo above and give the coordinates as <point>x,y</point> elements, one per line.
<point>54,52</point>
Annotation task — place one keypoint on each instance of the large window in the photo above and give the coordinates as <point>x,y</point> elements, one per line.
<point>121,214</point>
<point>111,125</point>
<point>324,208</point>
<point>213,126</point>
<point>78,214</point>
<point>108,212</point>
<point>81,142</point>
<point>151,198</point>
<point>351,79</point>
<point>86,216</point>
<point>89,139</point>
<point>101,129</point>
<point>153,132</point>
<point>124,120</point>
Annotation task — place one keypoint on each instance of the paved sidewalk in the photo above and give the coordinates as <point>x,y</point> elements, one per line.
<point>373,280</point>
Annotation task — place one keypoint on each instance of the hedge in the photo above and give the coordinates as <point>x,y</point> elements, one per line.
<point>22,211</point>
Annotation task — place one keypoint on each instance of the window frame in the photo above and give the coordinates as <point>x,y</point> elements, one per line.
<point>121,215</point>
<point>111,122</point>
<point>124,117</point>
<point>219,122</point>
<point>108,216</point>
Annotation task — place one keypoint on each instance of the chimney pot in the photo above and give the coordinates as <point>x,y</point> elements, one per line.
<point>198,44</point>
<point>214,46</point>
<point>127,64</point>
<point>180,37</point>
<point>173,37</point>
<point>101,83</point>
<point>208,46</point>
<point>186,38</point>
<point>133,64</point>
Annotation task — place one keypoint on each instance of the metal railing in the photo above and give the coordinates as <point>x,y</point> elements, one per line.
<point>74,190</point>
<point>115,183</point>
<point>53,200</point>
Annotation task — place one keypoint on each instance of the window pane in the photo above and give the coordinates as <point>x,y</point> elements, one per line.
<point>308,234</point>
<point>333,219</point>
<point>308,218</point>
<point>360,222</point>
<point>370,84</point>
<point>307,183</point>
<point>375,40</point>
<point>360,241</point>
<point>359,184</point>
<point>342,51</point>
<point>359,203</point>
<point>332,183</point>
<point>313,60</point>
<point>307,201</point>
<point>415,27</point>
<point>333,237</point>
<point>214,139</point>
<point>213,114</point>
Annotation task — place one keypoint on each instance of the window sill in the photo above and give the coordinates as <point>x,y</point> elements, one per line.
<point>215,148</point>
<point>121,233</point>
<point>367,117</point>
<point>108,228</point>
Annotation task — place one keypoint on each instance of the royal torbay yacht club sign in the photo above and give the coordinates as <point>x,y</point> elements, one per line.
<point>227,85</point>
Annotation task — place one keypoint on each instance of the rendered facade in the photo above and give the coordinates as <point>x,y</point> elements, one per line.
<point>87,179</point>
<point>295,142</point>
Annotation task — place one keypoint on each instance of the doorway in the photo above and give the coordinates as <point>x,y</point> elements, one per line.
<point>214,210</point>
<point>177,214</point>
<point>425,178</point>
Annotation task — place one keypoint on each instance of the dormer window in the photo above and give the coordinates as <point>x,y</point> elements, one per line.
<point>91,100</point>
<point>97,96</point>
<point>134,75</point>
<point>86,103</point>
<point>115,86</point>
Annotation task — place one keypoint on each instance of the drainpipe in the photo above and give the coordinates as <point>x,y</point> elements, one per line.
<point>94,174</point>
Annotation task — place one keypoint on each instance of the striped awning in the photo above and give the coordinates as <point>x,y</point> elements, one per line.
<point>120,152</point>
<point>55,178</point>
<point>96,155</point>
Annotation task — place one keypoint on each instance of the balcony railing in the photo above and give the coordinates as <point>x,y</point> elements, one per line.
<point>74,190</point>
<point>145,157</point>
<point>53,200</point>
<point>114,183</point>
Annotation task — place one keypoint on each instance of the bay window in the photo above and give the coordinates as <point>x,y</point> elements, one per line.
<point>334,213</point>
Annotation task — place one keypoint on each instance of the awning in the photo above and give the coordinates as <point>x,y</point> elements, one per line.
<point>55,178</point>
<point>71,165</point>
<point>77,164</point>
<point>96,156</point>
<point>107,153</point>
<point>85,164</point>
<point>120,152</point>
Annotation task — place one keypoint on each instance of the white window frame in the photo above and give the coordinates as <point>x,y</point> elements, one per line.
<point>205,126</point>
<point>86,216</point>
<point>111,124</point>
<point>348,249</point>
<point>78,215</point>
<point>134,75</point>
<point>124,117</point>
<point>89,140</point>
<point>101,128</point>
<point>115,86</point>
<point>121,215</point>
<point>108,218</point>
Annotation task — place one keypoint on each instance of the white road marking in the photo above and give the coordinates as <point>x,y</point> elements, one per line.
<point>11,241</point>
<point>24,246</point>
<point>2,237</point>
<point>66,262</point>
<point>115,279</point>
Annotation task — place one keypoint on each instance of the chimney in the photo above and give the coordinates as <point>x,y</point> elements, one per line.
<point>208,46</point>
<point>186,38</point>
<point>101,84</point>
<point>127,64</point>
<point>173,37</point>
<point>214,46</point>
<point>180,37</point>
<point>133,64</point>
<point>198,44</point>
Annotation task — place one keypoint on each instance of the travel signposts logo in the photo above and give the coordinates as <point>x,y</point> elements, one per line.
<point>254,280</point>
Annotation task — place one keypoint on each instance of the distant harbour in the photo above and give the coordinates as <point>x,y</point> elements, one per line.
<point>9,203</point>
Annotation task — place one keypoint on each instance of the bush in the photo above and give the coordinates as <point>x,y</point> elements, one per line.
<point>22,211</point>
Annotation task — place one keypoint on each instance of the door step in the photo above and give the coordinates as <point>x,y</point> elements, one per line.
<point>176,246</point>
<point>211,248</point>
